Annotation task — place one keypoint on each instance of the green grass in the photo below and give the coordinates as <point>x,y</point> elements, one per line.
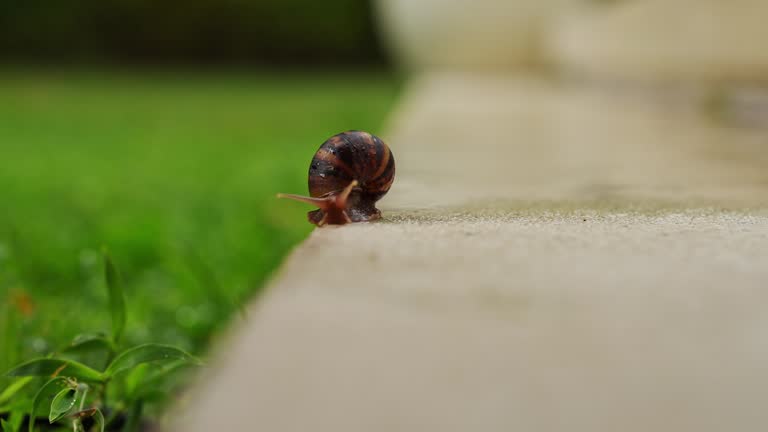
<point>176,175</point>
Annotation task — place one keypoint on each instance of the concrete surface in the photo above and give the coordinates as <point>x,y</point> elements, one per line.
<point>551,259</point>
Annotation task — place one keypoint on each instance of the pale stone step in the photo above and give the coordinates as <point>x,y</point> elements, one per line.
<point>661,40</point>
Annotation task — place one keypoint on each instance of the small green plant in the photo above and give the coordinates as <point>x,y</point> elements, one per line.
<point>87,397</point>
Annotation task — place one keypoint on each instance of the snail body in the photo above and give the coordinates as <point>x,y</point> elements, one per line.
<point>348,174</point>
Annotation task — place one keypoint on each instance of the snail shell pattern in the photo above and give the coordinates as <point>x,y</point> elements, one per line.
<point>348,174</point>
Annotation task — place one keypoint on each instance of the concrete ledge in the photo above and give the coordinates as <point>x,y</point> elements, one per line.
<point>536,270</point>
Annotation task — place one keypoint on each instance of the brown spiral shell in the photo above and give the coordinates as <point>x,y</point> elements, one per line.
<point>347,157</point>
<point>348,174</point>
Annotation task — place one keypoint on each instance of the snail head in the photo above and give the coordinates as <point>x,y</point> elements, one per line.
<point>332,207</point>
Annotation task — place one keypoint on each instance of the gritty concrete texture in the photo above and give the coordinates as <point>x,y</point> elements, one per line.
<point>551,259</point>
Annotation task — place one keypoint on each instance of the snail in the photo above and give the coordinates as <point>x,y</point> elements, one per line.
<point>348,174</point>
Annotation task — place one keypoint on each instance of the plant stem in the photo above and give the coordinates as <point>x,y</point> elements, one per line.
<point>77,425</point>
<point>82,401</point>
<point>134,417</point>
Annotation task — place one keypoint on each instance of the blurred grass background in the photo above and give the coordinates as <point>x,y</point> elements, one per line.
<point>176,173</point>
<point>162,131</point>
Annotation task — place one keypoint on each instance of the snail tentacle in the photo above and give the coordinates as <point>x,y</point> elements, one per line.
<point>319,202</point>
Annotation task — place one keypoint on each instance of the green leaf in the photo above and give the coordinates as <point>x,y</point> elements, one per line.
<point>16,411</point>
<point>135,379</point>
<point>90,342</point>
<point>62,404</point>
<point>14,388</point>
<point>98,417</point>
<point>56,367</point>
<point>143,381</point>
<point>16,419</point>
<point>18,405</point>
<point>116,298</point>
<point>153,395</point>
<point>145,354</point>
<point>45,394</point>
